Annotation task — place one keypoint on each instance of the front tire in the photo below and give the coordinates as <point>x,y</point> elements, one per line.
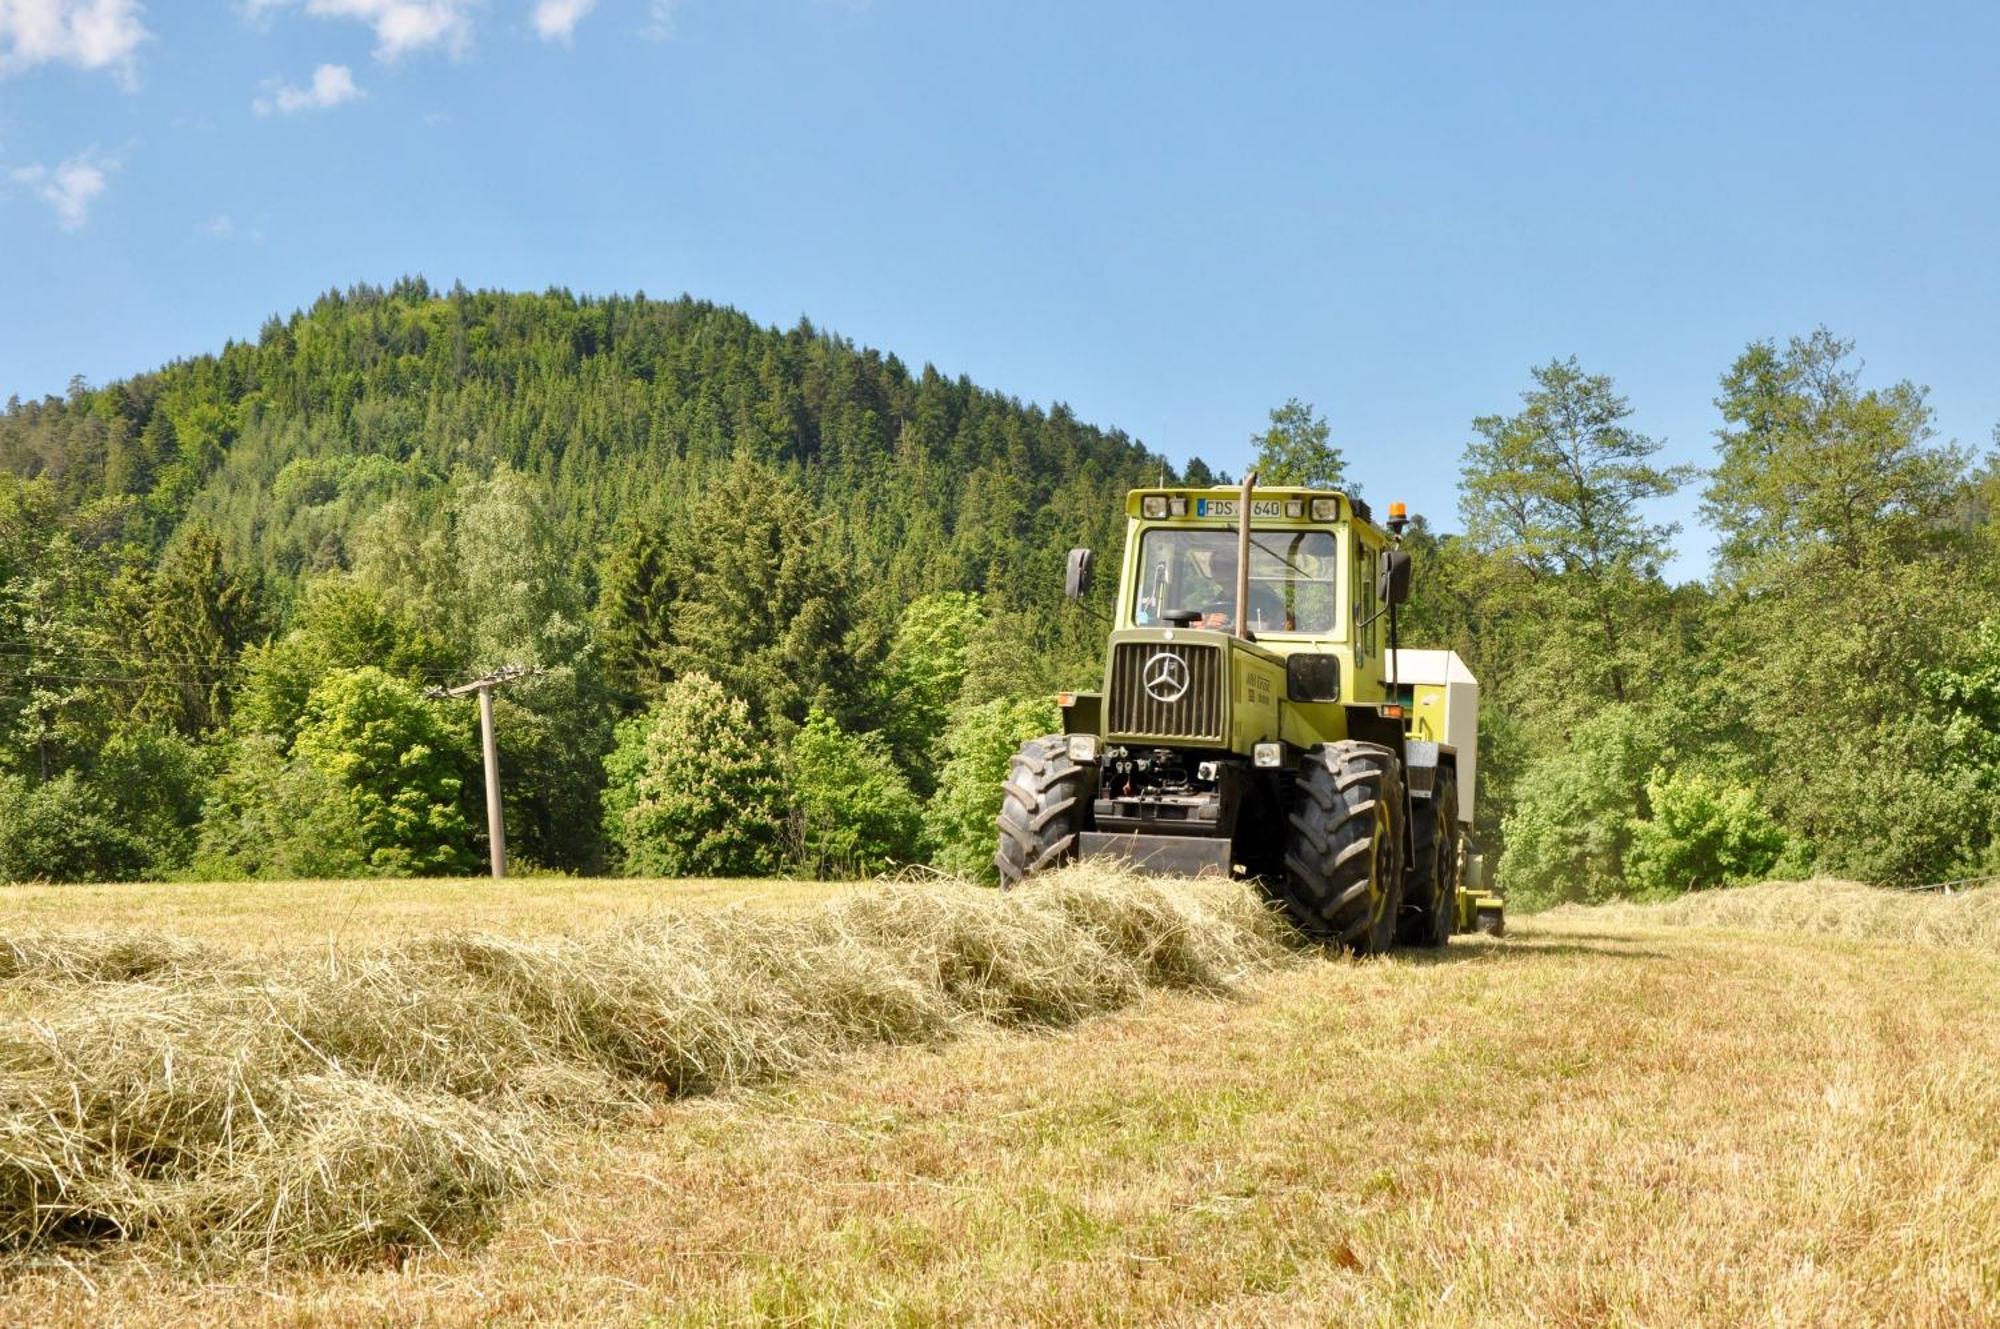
<point>1041,810</point>
<point>1343,879</point>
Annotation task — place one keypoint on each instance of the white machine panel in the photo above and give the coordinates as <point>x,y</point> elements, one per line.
<point>1461,708</point>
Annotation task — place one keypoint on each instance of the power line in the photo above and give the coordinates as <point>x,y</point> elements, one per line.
<point>39,675</point>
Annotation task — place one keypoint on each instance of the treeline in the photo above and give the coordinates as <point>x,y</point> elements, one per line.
<point>1828,702</point>
<point>790,604</point>
<point>226,589</point>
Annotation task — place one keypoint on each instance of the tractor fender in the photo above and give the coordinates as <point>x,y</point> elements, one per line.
<point>1422,760</point>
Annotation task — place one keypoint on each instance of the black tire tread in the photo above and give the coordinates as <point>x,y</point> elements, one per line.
<point>1328,858</point>
<point>1041,810</point>
<point>1432,895</point>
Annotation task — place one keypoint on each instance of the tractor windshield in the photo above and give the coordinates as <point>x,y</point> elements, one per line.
<point>1292,579</point>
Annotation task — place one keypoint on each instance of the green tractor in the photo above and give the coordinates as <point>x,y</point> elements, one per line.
<point>1258,720</point>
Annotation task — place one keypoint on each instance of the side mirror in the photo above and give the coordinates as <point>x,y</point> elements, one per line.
<point>1392,583</point>
<point>1076,577</point>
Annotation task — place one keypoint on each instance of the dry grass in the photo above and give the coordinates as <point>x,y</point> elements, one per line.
<point>290,915</point>
<point>1606,1118</point>
<point>1829,909</point>
<point>200,1101</point>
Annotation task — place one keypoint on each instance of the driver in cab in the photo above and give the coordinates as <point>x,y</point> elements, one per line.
<point>1267,609</point>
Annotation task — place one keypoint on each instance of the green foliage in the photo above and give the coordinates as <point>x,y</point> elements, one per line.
<point>493,587</point>
<point>692,788</point>
<point>1295,451</point>
<point>1860,767</point>
<point>1557,485</point>
<point>184,625</point>
<point>155,781</point>
<point>1702,832</point>
<point>1891,806</point>
<point>1574,812</point>
<point>57,566</point>
<point>853,814</point>
<point>380,743</point>
<point>426,481</point>
<point>273,817</point>
<point>636,607</point>
<point>64,830</point>
<point>1197,474</point>
<point>924,675</point>
<point>1815,467</point>
<point>758,602</point>
<point>1967,698</point>
<point>338,624</point>
<point>960,818</point>
<point>1552,496</point>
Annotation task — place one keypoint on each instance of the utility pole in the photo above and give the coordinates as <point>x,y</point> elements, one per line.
<point>496,827</point>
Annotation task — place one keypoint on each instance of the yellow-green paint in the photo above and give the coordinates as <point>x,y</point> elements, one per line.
<point>1427,713</point>
<point>1259,711</point>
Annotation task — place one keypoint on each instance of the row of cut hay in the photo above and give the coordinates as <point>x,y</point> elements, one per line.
<point>100,956</point>
<point>1836,909</point>
<point>333,1104</point>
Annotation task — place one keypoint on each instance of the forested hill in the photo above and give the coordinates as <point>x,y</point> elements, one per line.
<point>428,484</point>
<point>286,447</point>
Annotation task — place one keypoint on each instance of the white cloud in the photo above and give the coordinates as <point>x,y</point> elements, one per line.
<point>402,26</point>
<point>331,85</point>
<point>68,187</point>
<point>219,226</point>
<point>555,20</point>
<point>90,34</point>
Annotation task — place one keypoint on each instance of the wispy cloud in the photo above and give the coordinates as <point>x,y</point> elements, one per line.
<point>218,227</point>
<point>555,20</point>
<point>69,186</point>
<point>331,86</point>
<point>90,34</point>
<point>400,26</point>
<point>659,21</point>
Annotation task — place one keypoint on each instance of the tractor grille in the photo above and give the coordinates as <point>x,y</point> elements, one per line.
<point>1195,713</point>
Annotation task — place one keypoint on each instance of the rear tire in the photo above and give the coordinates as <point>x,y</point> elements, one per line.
<point>1041,810</point>
<point>1343,879</point>
<point>1436,837</point>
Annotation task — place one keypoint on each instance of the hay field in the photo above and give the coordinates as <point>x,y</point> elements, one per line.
<point>1828,908</point>
<point>1609,1116</point>
<point>288,915</point>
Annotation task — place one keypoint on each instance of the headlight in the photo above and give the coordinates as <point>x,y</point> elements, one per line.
<point>1295,508</point>
<point>1326,509</point>
<point>1083,748</point>
<point>1177,507</point>
<point>1268,756</point>
<point>1154,506</point>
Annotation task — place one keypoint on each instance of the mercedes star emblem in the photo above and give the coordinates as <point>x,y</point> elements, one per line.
<point>1166,677</point>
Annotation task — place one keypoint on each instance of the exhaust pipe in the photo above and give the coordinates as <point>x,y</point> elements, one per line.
<point>1243,556</point>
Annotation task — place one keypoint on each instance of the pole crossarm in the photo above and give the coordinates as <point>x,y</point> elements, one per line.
<point>505,674</point>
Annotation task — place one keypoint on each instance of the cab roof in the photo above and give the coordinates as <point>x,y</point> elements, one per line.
<point>1227,495</point>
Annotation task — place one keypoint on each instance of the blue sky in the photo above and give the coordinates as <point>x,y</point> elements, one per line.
<point>1171,217</point>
